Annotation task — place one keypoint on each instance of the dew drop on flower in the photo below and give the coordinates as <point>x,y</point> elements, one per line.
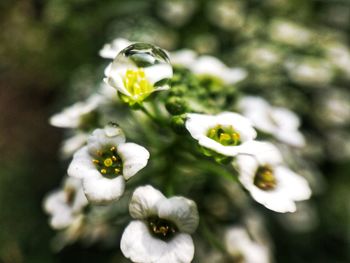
<point>145,68</point>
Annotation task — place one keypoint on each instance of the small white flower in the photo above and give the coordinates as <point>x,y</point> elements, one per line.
<point>136,83</point>
<point>73,116</point>
<point>269,181</point>
<point>161,231</point>
<point>65,205</point>
<point>111,50</point>
<point>242,249</point>
<point>211,66</point>
<point>105,163</point>
<point>227,133</point>
<point>280,122</point>
<point>72,144</point>
<point>290,33</point>
<point>184,57</point>
<point>310,72</point>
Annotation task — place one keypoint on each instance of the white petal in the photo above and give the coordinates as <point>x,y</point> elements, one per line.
<point>180,250</point>
<point>144,202</point>
<point>138,245</point>
<point>275,200</point>
<point>181,211</point>
<point>134,156</point>
<point>291,137</point>
<point>72,144</point>
<point>99,189</point>
<point>158,72</point>
<point>293,184</point>
<point>102,138</point>
<point>184,57</point>
<point>82,165</point>
<point>199,124</point>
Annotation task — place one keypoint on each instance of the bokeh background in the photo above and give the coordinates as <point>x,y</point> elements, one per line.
<point>49,59</point>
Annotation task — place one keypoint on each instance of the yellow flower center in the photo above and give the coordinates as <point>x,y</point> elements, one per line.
<point>108,162</point>
<point>137,84</point>
<point>225,135</point>
<point>265,178</point>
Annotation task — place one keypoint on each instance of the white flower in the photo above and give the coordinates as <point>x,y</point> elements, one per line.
<point>65,205</point>
<point>280,122</point>
<point>290,33</point>
<point>111,50</point>
<point>211,66</point>
<point>105,163</point>
<point>269,181</point>
<point>226,133</point>
<point>75,115</point>
<point>311,72</point>
<point>72,144</point>
<point>161,230</point>
<point>135,83</point>
<point>242,249</point>
<point>184,57</point>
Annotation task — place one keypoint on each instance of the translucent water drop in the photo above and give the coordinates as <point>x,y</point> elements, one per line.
<point>139,70</point>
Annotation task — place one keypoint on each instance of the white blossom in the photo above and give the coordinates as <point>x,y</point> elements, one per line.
<point>65,205</point>
<point>73,116</point>
<point>280,122</point>
<point>227,133</point>
<point>105,163</point>
<point>161,231</point>
<point>243,249</point>
<point>269,181</point>
<point>211,66</point>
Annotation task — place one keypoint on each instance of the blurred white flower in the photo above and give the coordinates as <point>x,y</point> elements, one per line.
<point>227,133</point>
<point>310,72</point>
<point>282,123</point>
<point>269,182</point>
<point>184,57</point>
<point>72,144</point>
<point>339,55</point>
<point>176,12</point>
<point>105,163</point>
<point>227,14</point>
<point>161,231</point>
<point>65,205</point>
<point>211,66</point>
<point>77,114</point>
<point>290,33</point>
<point>111,50</point>
<point>242,249</point>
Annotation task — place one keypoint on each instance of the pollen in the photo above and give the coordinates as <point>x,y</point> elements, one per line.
<point>265,178</point>
<point>108,162</point>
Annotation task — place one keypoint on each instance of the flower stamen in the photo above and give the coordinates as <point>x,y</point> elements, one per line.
<point>108,162</point>
<point>161,228</point>
<point>264,178</point>
<point>225,135</point>
<point>137,84</point>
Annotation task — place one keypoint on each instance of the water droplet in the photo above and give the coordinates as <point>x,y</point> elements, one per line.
<point>140,69</point>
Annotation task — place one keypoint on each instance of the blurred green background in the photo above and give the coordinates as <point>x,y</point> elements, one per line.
<point>49,58</point>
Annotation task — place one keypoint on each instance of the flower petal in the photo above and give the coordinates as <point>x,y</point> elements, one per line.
<point>102,138</point>
<point>99,189</point>
<point>144,202</point>
<point>181,211</point>
<point>134,156</point>
<point>138,245</point>
<point>81,165</point>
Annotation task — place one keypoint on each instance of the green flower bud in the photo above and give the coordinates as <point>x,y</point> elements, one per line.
<point>176,105</point>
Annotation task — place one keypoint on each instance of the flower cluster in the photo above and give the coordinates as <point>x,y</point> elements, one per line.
<point>202,137</point>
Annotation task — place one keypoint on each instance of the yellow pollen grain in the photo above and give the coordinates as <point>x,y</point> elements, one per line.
<point>116,171</point>
<point>103,171</point>
<point>112,149</point>
<point>95,161</point>
<point>114,158</point>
